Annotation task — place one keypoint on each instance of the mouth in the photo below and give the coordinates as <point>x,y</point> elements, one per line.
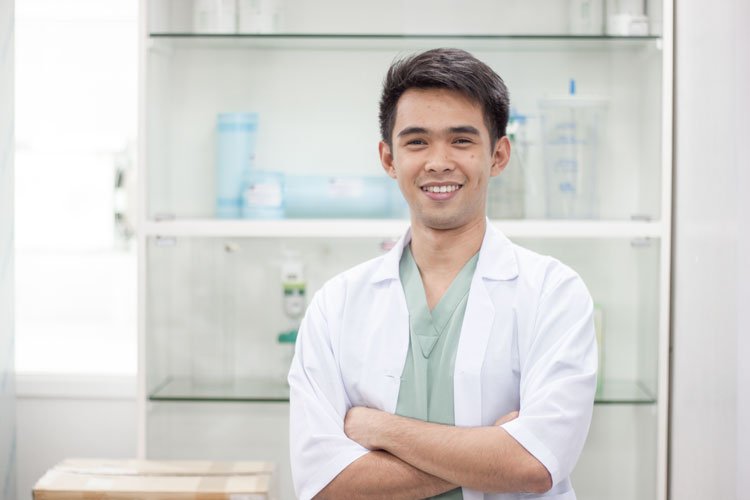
<point>441,191</point>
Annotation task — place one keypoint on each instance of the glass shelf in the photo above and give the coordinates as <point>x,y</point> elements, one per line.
<point>402,36</point>
<point>185,389</point>
<point>624,392</point>
<point>270,390</point>
<point>529,228</point>
<point>387,41</point>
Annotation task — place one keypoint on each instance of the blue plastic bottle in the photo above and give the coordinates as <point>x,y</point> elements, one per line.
<point>236,136</point>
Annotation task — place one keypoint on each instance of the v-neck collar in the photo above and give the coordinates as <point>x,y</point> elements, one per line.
<point>419,311</point>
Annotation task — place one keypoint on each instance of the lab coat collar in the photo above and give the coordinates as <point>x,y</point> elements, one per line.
<point>497,260</point>
<point>389,266</point>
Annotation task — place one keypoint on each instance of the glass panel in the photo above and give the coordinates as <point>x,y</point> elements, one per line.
<point>538,17</point>
<point>186,389</point>
<point>623,279</point>
<point>216,311</point>
<point>217,316</point>
<point>316,101</point>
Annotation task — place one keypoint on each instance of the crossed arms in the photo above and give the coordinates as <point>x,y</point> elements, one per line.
<point>340,449</point>
<point>413,459</point>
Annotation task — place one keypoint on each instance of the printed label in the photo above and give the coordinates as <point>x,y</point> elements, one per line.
<point>339,187</point>
<point>264,194</point>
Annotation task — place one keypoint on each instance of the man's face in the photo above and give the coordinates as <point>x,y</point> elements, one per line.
<point>442,157</point>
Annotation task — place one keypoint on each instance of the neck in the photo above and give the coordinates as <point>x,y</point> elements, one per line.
<point>445,251</point>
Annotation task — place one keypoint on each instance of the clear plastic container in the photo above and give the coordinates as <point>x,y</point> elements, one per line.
<point>236,135</point>
<point>506,191</point>
<point>572,138</point>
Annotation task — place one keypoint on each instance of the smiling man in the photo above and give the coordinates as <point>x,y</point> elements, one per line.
<point>458,365</point>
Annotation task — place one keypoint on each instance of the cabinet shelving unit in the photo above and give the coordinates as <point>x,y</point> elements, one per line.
<point>207,386</point>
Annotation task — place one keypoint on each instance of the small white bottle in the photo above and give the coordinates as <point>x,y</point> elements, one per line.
<point>258,16</point>
<point>626,18</point>
<point>586,17</point>
<point>215,16</point>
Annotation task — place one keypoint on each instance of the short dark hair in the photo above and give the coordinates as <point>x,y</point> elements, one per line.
<point>452,69</point>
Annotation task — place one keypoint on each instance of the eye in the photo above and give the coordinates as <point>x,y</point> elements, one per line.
<point>463,140</point>
<point>416,142</point>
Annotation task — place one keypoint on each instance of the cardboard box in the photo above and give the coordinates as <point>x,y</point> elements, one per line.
<point>74,479</point>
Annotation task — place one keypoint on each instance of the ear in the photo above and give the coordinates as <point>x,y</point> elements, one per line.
<point>500,156</point>
<point>386,159</point>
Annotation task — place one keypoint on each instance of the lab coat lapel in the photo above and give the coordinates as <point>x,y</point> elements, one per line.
<point>475,332</point>
<point>394,336</point>
<point>496,262</point>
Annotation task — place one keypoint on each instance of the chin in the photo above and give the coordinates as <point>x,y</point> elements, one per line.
<point>443,221</point>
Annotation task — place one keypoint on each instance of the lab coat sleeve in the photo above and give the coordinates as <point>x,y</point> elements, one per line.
<point>558,377</point>
<point>319,448</point>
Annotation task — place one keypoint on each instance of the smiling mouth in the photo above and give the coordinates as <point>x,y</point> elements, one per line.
<point>442,189</point>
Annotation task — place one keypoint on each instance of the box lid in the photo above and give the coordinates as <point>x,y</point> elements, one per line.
<point>157,479</point>
<point>164,467</point>
<point>58,485</point>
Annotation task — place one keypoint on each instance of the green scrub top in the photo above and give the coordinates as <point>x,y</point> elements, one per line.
<point>426,391</point>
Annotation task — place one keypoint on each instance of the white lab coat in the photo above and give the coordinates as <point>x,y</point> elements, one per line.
<point>527,343</point>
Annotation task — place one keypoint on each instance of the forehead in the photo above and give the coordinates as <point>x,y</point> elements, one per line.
<point>437,108</point>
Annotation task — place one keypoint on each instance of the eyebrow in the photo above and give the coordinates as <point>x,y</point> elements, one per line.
<point>462,129</point>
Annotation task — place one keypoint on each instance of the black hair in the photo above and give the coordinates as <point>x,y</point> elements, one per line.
<point>452,69</point>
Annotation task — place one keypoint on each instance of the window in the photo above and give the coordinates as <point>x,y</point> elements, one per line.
<point>76,115</point>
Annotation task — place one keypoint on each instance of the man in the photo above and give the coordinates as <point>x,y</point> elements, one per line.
<point>458,365</point>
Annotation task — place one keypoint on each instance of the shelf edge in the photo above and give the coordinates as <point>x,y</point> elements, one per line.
<point>362,228</point>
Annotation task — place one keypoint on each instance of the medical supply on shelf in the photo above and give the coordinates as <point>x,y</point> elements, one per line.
<point>263,198</point>
<point>572,136</point>
<point>215,16</point>
<point>321,196</point>
<point>294,300</point>
<point>258,16</point>
<point>586,17</point>
<point>626,18</point>
<point>294,286</point>
<point>627,25</point>
<point>505,192</point>
<point>235,157</point>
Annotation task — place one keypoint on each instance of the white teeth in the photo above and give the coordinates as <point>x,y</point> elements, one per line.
<point>441,189</point>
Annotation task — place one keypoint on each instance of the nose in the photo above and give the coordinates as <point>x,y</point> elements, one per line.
<point>439,159</point>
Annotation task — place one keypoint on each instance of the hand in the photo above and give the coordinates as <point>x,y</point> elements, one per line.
<point>363,425</point>
<point>507,418</point>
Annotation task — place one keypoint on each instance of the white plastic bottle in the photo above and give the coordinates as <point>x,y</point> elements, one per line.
<point>586,17</point>
<point>258,16</point>
<point>215,16</point>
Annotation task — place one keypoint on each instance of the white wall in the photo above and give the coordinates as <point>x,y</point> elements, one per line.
<point>7,337</point>
<point>710,375</point>
<point>62,417</point>
<point>742,146</point>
